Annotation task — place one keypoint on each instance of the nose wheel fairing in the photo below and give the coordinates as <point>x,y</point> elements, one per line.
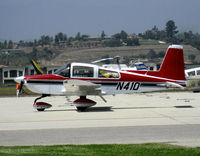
<point>41,106</point>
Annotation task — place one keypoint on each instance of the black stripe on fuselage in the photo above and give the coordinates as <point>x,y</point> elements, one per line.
<point>44,81</point>
<point>145,84</point>
<point>107,83</point>
<point>116,83</point>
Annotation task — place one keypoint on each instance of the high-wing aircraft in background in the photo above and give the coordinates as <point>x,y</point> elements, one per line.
<point>82,79</point>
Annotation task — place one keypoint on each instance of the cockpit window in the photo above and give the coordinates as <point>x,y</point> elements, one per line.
<point>108,74</point>
<point>63,71</point>
<point>83,71</point>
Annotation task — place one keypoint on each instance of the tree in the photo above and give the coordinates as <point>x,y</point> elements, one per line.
<point>44,40</point>
<point>151,54</point>
<point>35,42</point>
<point>47,53</point>
<point>123,35</point>
<point>34,53</point>
<point>113,43</point>
<point>56,39</point>
<point>65,38</point>
<point>161,54</point>
<point>5,44</point>
<point>132,42</point>
<point>171,29</point>
<point>60,36</point>
<point>117,36</point>
<point>78,36</point>
<point>84,37</point>
<point>149,34</point>
<point>1,45</point>
<point>21,43</point>
<point>103,35</point>
<point>10,44</point>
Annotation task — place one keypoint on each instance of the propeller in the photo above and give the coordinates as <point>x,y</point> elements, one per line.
<point>21,86</point>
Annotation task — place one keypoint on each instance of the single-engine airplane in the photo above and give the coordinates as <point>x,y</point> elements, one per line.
<point>82,79</point>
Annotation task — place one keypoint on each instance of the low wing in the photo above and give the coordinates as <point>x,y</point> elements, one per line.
<point>81,88</point>
<point>171,85</point>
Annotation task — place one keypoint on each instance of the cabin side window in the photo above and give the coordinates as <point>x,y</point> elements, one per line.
<point>192,73</point>
<point>198,72</point>
<point>108,74</point>
<point>83,71</point>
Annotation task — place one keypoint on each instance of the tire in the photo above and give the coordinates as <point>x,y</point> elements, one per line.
<point>41,109</point>
<point>81,109</point>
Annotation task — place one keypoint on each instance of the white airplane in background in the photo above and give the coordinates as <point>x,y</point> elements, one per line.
<point>193,79</point>
<point>82,79</point>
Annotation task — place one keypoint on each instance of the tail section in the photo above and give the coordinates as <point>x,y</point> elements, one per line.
<point>173,64</point>
<point>36,67</point>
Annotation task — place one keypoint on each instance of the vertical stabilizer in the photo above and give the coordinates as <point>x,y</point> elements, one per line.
<point>36,67</point>
<point>173,63</point>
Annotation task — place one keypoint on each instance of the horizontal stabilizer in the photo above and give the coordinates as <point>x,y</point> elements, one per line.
<point>171,85</point>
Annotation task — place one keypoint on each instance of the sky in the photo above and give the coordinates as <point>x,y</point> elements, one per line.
<point>29,19</point>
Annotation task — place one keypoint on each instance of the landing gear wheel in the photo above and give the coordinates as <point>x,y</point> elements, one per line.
<point>81,109</point>
<point>40,110</point>
<point>83,103</point>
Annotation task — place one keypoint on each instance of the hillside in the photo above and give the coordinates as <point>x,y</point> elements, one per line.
<point>67,55</point>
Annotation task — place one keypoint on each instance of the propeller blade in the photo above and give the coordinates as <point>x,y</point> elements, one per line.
<point>21,86</point>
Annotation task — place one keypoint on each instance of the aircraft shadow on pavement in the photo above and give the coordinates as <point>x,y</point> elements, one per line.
<point>99,109</point>
<point>91,109</point>
<point>139,107</point>
<point>182,106</point>
<point>111,109</point>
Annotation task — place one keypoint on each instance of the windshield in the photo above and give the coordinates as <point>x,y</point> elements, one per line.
<point>64,70</point>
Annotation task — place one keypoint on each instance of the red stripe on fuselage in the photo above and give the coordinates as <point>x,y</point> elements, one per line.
<point>137,76</point>
<point>44,77</point>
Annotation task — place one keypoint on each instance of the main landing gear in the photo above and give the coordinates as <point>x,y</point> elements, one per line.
<point>83,103</point>
<point>41,106</point>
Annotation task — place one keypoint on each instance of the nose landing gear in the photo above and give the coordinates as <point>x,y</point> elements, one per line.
<point>41,106</point>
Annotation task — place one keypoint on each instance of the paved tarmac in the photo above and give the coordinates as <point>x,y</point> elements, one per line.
<point>170,117</point>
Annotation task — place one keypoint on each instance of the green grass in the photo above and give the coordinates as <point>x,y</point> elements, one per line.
<point>150,149</point>
<point>8,91</point>
<point>12,91</point>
